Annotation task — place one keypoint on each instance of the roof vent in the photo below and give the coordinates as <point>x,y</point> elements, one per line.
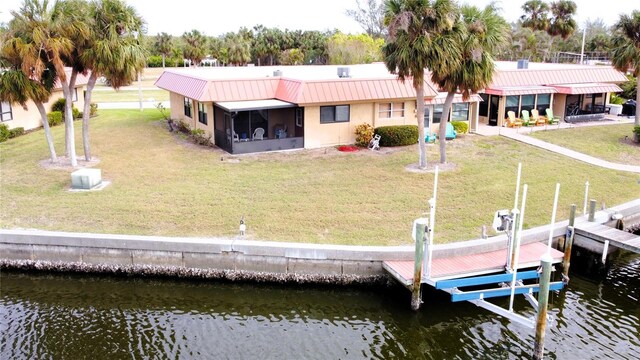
<point>344,72</point>
<point>277,73</point>
<point>523,64</point>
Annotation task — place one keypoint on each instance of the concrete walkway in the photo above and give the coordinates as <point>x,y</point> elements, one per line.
<point>519,134</point>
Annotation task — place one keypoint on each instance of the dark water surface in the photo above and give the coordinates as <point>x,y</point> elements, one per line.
<point>57,316</point>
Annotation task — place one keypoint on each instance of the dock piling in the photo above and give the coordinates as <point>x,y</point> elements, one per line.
<point>592,210</point>
<point>568,243</point>
<point>416,290</point>
<point>543,300</point>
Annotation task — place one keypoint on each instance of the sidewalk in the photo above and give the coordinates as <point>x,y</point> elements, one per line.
<point>519,134</point>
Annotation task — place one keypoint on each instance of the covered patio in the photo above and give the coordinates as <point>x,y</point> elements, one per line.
<point>242,127</point>
<point>585,102</point>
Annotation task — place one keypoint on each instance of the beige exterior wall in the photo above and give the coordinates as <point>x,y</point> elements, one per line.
<point>558,105</point>
<point>409,117</point>
<point>30,119</point>
<point>208,127</point>
<point>321,135</point>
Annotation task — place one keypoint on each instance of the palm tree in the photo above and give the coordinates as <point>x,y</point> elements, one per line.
<point>535,15</point>
<point>562,22</point>
<point>164,44</point>
<point>195,47</point>
<point>238,49</point>
<point>625,54</point>
<point>483,33</point>
<point>43,35</point>
<point>17,87</point>
<point>421,35</point>
<point>114,51</point>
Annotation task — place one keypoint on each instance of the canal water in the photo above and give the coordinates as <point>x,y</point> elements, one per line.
<point>63,316</point>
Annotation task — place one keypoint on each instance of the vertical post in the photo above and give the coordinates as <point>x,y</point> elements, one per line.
<point>140,91</point>
<point>513,220</point>
<point>429,239</point>
<point>592,210</point>
<point>586,196</point>
<point>543,300</point>
<point>516,247</point>
<point>584,35</point>
<point>416,291</point>
<point>568,242</point>
<point>553,217</point>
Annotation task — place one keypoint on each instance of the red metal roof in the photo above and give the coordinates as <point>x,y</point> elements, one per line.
<point>182,84</point>
<point>537,77</point>
<point>575,89</point>
<point>519,90</point>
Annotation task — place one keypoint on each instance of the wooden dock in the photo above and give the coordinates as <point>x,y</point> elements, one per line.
<point>602,233</point>
<point>470,265</point>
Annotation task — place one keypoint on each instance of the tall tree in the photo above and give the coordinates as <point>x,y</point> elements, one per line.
<point>625,54</point>
<point>421,36</point>
<point>195,46</point>
<point>238,49</point>
<point>479,38</point>
<point>562,23</point>
<point>163,45</point>
<point>536,15</point>
<point>370,15</point>
<point>113,51</point>
<point>353,49</point>
<point>18,87</point>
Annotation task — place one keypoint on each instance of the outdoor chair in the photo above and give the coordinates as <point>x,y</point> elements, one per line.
<point>429,137</point>
<point>451,132</point>
<point>234,138</point>
<point>374,144</point>
<point>526,120</point>
<point>258,134</point>
<point>512,120</point>
<point>535,116</point>
<point>552,120</point>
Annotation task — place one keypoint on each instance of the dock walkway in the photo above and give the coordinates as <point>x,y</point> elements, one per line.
<point>602,233</point>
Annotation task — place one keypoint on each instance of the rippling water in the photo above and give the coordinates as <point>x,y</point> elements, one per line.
<point>73,317</point>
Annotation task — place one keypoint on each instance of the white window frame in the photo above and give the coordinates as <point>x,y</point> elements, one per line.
<point>6,115</point>
<point>389,113</point>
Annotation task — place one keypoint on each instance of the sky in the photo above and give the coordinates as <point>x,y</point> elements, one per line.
<point>216,17</point>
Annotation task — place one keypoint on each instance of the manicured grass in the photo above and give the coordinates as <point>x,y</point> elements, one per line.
<point>164,185</point>
<point>604,142</point>
<point>102,96</point>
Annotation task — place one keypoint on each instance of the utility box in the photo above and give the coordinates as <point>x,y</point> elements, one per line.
<point>85,179</point>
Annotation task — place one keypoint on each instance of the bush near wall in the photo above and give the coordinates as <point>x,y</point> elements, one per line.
<point>364,134</point>
<point>59,106</point>
<point>461,127</point>
<point>55,118</point>
<point>398,135</point>
<point>4,132</point>
<point>15,132</point>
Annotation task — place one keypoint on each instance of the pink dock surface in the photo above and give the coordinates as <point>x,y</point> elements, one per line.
<point>471,265</point>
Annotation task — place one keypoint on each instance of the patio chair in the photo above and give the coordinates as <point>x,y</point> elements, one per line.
<point>552,120</point>
<point>526,120</point>
<point>374,144</point>
<point>451,132</point>
<point>258,134</point>
<point>429,137</point>
<point>512,120</point>
<point>234,138</point>
<point>535,116</point>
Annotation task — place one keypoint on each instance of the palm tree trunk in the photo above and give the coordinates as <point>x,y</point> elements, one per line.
<point>47,130</point>
<point>637,122</point>
<point>70,145</point>
<point>86,114</point>
<point>443,127</point>
<point>163,61</point>
<point>420,114</point>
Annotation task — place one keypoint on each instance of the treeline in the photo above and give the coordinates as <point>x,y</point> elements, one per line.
<point>262,46</point>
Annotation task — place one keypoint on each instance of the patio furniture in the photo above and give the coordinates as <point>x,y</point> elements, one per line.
<point>234,138</point>
<point>535,116</point>
<point>552,120</point>
<point>451,132</point>
<point>429,137</point>
<point>512,120</point>
<point>374,144</point>
<point>258,134</point>
<point>526,120</point>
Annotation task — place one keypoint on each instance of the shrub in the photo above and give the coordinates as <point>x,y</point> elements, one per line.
<point>55,118</point>
<point>59,106</point>
<point>629,88</point>
<point>615,99</point>
<point>4,132</point>
<point>93,109</point>
<point>182,127</point>
<point>15,132</point>
<point>364,134</point>
<point>461,127</point>
<point>155,61</point>
<point>199,137</point>
<point>398,135</point>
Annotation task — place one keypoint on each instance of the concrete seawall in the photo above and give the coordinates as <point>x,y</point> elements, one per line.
<point>231,258</point>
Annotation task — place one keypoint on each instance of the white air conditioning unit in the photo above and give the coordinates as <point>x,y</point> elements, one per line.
<point>86,179</point>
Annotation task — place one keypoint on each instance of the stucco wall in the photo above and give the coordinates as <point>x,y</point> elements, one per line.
<point>30,119</point>
<point>321,135</point>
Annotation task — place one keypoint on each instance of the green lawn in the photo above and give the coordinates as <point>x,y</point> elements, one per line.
<point>605,142</point>
<point>164,185</point>
<point>128,95</point>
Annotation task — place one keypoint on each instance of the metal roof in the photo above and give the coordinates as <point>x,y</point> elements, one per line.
<point>557,76</point>
<point>254,105</point>
<point>457,98</point>
<point>519,90</point>
<point>574,89</point>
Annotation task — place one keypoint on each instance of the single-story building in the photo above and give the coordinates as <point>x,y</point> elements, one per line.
<point>14,115</point>
<point>252,109</point>
<point>573,92</point>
